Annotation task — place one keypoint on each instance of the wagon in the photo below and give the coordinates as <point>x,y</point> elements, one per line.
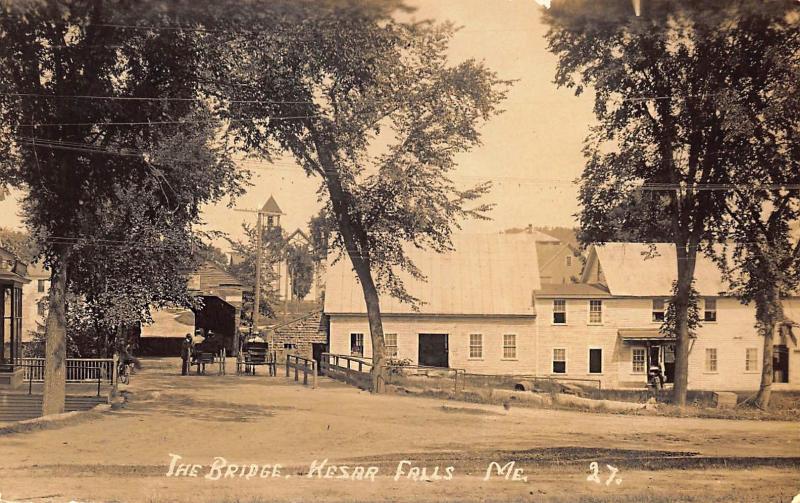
<point>255,352</point>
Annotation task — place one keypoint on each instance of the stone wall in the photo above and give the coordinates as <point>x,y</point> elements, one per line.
<point>296,337</point>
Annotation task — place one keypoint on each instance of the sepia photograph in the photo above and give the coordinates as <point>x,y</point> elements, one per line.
<point>404,251</point>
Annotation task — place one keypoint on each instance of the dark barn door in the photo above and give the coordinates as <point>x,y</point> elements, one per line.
<point>433,350</point>
<point>317,348</point>
<point>219,316</point>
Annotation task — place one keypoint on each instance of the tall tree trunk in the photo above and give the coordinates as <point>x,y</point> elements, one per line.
<point>55,373</point>
<point>768,313</point>
<point>371,298</point>
<point>686,256</point>
<point>360,261</point>
<point>355,242</point>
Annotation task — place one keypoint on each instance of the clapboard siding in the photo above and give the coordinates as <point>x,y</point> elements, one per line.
<point>731,335</point>
<point>458,329</point>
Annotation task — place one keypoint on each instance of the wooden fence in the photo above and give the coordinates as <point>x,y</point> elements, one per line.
<point>305,365</point>
<point>78,369</point>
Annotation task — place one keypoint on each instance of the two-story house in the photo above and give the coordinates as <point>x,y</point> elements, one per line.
<point>607,327</point>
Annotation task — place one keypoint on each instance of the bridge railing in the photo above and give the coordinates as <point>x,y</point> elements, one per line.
<point>306,365</point>
<point>354,370</point>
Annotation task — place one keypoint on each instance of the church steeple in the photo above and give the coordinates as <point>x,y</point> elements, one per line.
<point>273,212</point>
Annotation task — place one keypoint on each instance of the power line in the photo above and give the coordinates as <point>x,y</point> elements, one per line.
<point>509,180</point>
<point>85,147</point>
<point>715,187</point>
<point>145,98</point>
<point>301,102</point>
<point>77,147</point>
<point>160,123</point>
<point>256,164</point>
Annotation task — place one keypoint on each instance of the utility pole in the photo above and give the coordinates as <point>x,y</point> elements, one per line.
<point>273,214</point>
<point>257,295</point>
<point>259,245</point>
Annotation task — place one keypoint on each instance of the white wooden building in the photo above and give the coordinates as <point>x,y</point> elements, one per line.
<point>478,313</point>
<point>607,326</point>
<point>486,312</point>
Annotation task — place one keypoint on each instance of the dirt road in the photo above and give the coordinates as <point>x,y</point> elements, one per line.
<point>258,422</point>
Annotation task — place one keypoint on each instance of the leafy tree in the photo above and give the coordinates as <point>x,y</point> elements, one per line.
<point>300,267</point>
<point>21,244</point>
<point>372,107</point>
<point>245,269</point>
<point>320,227</point>
<point>760,255</point>
<point>86,162</point>
<point>663,84</point>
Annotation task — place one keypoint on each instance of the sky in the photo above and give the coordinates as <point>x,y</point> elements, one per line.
<point>531,152</point>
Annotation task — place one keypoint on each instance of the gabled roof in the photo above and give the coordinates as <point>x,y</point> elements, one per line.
<point>209,276</point>
<point>298,235</point>
<point>486,275</point>
<point>271,207</point>
<point>629,270</point>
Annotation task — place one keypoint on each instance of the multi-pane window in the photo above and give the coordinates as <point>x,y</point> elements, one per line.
<point>569,260</point>
<point>509,346</point>
<point>595,311</point>
<point>559,361</point>
<point>711,359</point>
<point>390,341</point>
<point>40,286</point>
<point>710,310</point>
<point>559,311</point>
<point>41,308</point>
<point>357,344</point>
<point>638,360</point>
<point>658,309</point>
<point>475,346</point>
<point>751,360</point>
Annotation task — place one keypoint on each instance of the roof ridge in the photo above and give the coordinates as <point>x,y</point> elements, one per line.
<point>307,315</point>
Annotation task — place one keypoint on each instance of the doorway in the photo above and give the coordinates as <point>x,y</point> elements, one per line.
<point>655,357</point>
<point>317,348</point>
<point>669,363</point>
<point>595,361</point>
<point>780,363</point>
<point>433,351</point>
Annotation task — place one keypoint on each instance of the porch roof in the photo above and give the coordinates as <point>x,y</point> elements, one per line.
<point>643,335</point>
<point>12,270</point>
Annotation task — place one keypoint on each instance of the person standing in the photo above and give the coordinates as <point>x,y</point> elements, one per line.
<point>186,350</point>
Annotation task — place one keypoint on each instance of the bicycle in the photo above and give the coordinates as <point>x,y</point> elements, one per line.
<point>124,372</point>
